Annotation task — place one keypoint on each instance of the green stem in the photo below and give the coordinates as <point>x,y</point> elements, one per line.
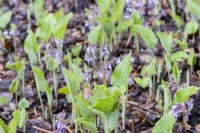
<point>23,91</point>
<point>41,101</point>
<point>55,84</point>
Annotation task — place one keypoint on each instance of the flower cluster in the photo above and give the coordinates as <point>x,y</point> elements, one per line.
<point>60,124</point>
<point>90,56</point>
<point>104,52</point>
<point>128,9</point>
<point>105,71</point>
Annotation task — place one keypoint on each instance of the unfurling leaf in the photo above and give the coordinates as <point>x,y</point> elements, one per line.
<point>142,82</point>
<point>5,19</point>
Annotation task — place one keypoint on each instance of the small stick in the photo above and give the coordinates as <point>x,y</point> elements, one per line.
<point>42,130</point>
<point>133,123</point>
<point>136,104</point>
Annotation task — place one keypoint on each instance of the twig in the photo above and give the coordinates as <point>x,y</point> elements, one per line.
<point>42,130</point>
<point>69,130</point>
<point>136,104</point>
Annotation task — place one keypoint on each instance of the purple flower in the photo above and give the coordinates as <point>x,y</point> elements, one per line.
<point>105,71</point>
<point>104,51</point>
<point>189,103</point>
<point>177,110</point>
<point>91,54</point>
<point>150,116</point>
<point>60,123</point>
<point>87,76</point>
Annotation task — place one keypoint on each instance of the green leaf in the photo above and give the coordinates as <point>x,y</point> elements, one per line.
<point>192,58</point>
<point>165,124</point>
<point>177,73</point>
<point>49,96</point>
<point>60,28</point>
<point>64,90</point>
<point>22,121</point>
<point>73,81</point>
<point>78,71</point>
<point>166,41</point>
<point>194,8</point>
<point>38,9</point>
<point>147,35</point>
<point>177,19</point>
<point>179,56</point>
<point>39,79</point>
<point>76,50</point>
<point>103,5</point>
<point>99,92</point>
<point>94,35</point>
<point>124,25</point>
<point>32,57</point>
<point>17,66</point>
<point>46,27</point>
<point>191,27</point>
<point>168,62</point>
<point>91,127</point>
<point>117,10</point>
<point>151,70</point>
<point>121,73</point>
<point>31,43</point>
<point>142,82</point>
<point>52,64</point>
<point>84,107</point>
<point>3,100</point>
<point>12,127</point>
<point>112,120</point>
<point>183,94</point>
<point>5,19</point>
<point>23,103</point>
<point>167,97</point>
<point>181,44</point>
<point>1,129</point>
<point>3,126</point>
<point>58,14</point>
<point>14,86</point>
<point>136,18</point>
<point>105,105</point>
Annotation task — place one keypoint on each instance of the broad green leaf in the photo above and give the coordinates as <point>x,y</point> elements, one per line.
<point>181,44</point>
<point>104,5</point>
<point>84,107</point>
<point>59,30</point>
<point>177,19</point>
<point>179,56</point>
<point>99,92</point>
<point>31,43</point>
<point>144,71</point>
<point>49,96</point>
<point>12,127</point>
<point>105,105</point>
<point>3,100</point>
<point>107,24</point>
<point>1,129</point>
<point>136,18</point>
<point>147,35</point>
<point>5,19</point>
<point>39,79</point>
<point>142,82</point>
<point>167,97</point>
<point>177,73</point>
<point>78,71</point>
<point>22,121</point>
<point>151,70</point>
<point>3,126</point>
<point>64,90</point>
<point>23,103</point>
<point>38,9</point>
<point>46,27</point>
<point>17,66</point>
<point>73,82</point>
<point>191,27</point>
<point>117,10</point>
<point>58,14</point>
<point>165,124</point>
<point>32,57</point>
<point>194,8</point>
<point>14,86</point>
<point>192,58</point>
<point>112,120</point>
<point>121,73</point>
<point>183,94</point>
<point>124,25</point>
<point>94,35</point>
<point>166,41</point>
<point>52,64</point>
<point>91,127</point>
<point>168,62</point>
<point>76,50</point>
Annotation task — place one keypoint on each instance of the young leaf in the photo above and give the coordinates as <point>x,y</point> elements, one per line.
<point>151,70</point>
<point>5,19</point>
<point>147,35</point>
<point>177,19</point>
<point>177,73</point>
<point>49,96</point>
<point>38,9</point>
<point>39,79</point>
<point>91,127</point>
<point>58,14</point>
<point>136,18</point>
<point>194,8</point>
<point>23,103</point>
<point>179,56</point>
<point>103,5</point>
<point>124,25</point>
<point>12,127</point>
<point>181,44</point>
<point>14,86</point>
<point>165,124</point>
<point>22,121</point>
<point>64,90</point>
<point>73,81</point>
<point>191,27</point>
<point>105,105</point>
<point>168,62</point>
<point>3,126</point>
<point>167,97</point>
<point>112,120</point>
<point>117,10</point>
<point>166,41</point>
<point>3,100</point>
<point>99,92</point>
<point>121,73</point>
<point>142,82</point>
<point>192,58</point>
<point>52,64</point>
<point>31,43</point>
<point>94,35</point>
<point>59,30</point>
<point>183,94</point>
